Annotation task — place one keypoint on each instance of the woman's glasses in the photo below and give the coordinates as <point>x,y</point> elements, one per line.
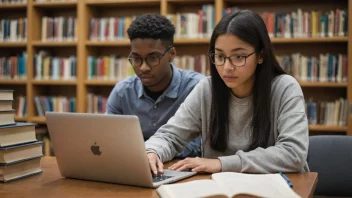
<point>235,60</point>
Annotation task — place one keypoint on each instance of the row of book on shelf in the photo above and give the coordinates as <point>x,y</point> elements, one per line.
<point>318,112</point>
<point>190,25</point>
<point>194,25</point>
<point>59,28</point>
<point>199,63</point>
<point>96,103</point>
<point>13,30</point>
<point>201,24</point>
<point>108,68</point>
<point>45,67</point>
<point>187,25</point>
<point>327,112</point>
<point>55,0</point>
<point>54,103</point>
<point>54,68</point>
<point>103,67</point>
<point>322,68</point>
<point>294,24</point>
<point>20,150</point>
<point>109,28</point>
<point>14,67</point>
<point>297,24</point>
<point>117,68</point>
<point>25,1</point>
<point>12,1</point>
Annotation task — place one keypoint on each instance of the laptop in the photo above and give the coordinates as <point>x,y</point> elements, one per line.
<point>104,148</point>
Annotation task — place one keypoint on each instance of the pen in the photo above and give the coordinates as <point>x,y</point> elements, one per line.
<point>287,180</point>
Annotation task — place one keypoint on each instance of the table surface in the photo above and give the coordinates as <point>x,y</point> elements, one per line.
<point>51,184</point>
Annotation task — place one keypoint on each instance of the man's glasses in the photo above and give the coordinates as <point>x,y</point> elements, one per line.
<point>235,60</point>
<point>150,60</point>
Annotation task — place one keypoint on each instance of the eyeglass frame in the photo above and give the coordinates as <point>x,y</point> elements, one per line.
<point>228,57</point>
<point>145,58</point>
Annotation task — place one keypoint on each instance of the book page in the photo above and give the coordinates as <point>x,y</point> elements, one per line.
<point>262,185</point>
<point>192,189</point>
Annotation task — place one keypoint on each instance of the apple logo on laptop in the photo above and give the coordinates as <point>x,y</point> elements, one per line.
<point>95,149</point>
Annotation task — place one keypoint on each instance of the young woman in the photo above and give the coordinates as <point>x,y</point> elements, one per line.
<point>250,114</point>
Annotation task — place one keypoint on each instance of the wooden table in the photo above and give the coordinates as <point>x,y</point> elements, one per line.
<point>51,184</point>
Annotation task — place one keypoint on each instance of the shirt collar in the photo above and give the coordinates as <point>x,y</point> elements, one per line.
<point>171,91</point>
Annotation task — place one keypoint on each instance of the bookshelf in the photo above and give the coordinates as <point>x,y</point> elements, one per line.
<point>37,119</point>
<point>54,82</point>
<point>20,119</point>
<point>13,82</point>
<point>325,128</point>
<point>310,40</point>
<point>83,46</point>
<point>12,45</point>
<point>123,3</point>
<point>17,6</point>
<point>63,4</point>
<point>54,44</point>
<point>100,83</point>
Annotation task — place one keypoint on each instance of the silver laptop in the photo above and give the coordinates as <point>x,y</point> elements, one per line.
<point>106,148</point>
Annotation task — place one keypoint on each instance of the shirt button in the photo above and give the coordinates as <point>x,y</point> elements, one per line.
<point>155,106</point>
<point>154,124</point>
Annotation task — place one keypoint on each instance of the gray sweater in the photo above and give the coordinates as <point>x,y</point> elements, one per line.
<point>288,142</point>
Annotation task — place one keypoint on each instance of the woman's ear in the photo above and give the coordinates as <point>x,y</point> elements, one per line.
<point>172,54</point>
<point>260,57</point>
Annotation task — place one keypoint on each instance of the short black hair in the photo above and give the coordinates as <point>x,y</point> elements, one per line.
<point>154,26</point>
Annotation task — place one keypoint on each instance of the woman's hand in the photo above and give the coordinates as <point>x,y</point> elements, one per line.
<point>198,165</point>
<point>156,166</point>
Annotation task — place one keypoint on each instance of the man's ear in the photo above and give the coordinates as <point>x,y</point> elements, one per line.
<point>260,57</point>
<point>172,54</point>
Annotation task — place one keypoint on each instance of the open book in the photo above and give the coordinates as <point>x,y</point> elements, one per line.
<point>228,185</point>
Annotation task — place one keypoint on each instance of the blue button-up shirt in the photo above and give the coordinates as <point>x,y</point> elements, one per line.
<point>128,97</point>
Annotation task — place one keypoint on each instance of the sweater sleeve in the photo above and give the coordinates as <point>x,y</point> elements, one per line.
<point>291,147</point>
<point>183,127</point>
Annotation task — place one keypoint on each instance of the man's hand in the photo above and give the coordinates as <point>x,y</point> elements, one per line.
<point>198,165</point>
<point>156,166</point>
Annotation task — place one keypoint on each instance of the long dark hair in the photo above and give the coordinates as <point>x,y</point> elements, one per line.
<point>249,27</point>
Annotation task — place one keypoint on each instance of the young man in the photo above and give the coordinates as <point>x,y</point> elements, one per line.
<point>157,90</point>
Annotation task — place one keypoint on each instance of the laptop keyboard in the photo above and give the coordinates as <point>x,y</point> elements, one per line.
<point>158,178</point>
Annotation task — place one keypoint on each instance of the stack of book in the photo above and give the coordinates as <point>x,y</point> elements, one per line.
<point>20,152</point>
